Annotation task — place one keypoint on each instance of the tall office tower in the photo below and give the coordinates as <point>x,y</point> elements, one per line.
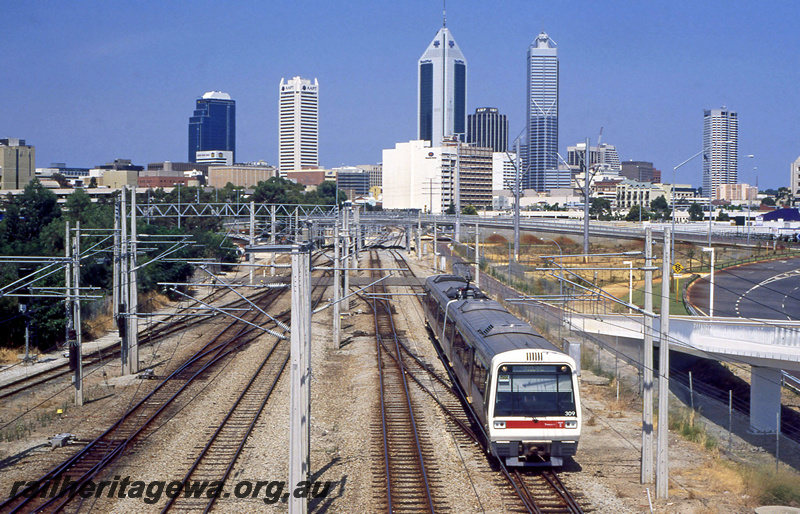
<point>17,163</point>
<point>299,124</point>
<point>721,150</point>
<point>488,128</point>
<point>441,90</point>
<point>213,125</point>
<point>541,142</point>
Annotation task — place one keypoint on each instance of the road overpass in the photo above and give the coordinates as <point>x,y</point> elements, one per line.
<point>768,346</point>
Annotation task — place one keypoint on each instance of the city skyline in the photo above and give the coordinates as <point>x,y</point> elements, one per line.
<point>643,72</point>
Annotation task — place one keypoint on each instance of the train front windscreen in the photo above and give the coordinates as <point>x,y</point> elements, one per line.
<point>534,390</point>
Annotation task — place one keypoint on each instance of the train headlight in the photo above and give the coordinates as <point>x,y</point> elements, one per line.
<point>571,424</point>
<point>499,424</point>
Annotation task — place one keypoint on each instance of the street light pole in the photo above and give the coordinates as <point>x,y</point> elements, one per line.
<point>747,197</point>
<point>630,285</point>
<point>672,241</point>
<point>711,284</point>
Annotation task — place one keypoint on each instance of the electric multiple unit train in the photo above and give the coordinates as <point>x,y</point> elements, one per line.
<point>522,388</point>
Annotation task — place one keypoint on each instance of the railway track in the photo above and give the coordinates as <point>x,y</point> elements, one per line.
<point>537,491</point>
<point>91,361</point>
<point>138,422</point>
<point>217,458</point>
<point>410,482</point>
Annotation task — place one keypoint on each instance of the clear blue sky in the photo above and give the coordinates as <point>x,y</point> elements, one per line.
<point>87,82</point>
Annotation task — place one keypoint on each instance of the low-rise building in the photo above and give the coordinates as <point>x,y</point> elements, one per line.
<point>736,192</point>
<point>17,163</point>
<point>239,175</point>
<point>310,177</point>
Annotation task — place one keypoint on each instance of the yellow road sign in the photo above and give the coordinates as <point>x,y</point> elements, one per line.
<point>677,267</point>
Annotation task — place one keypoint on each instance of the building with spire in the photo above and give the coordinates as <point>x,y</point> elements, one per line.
<point>721,155</point>
<point>540,154</point>
<point>299,125</point>
<point>442,90</point>
<point>213,126</point>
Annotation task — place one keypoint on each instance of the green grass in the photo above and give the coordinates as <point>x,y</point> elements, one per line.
<point>676,307</point>
<point>682,421</point>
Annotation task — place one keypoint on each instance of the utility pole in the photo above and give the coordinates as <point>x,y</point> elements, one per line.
<point>337,285</point>
<point>122,319</point>
<point>457,229</point>
<point>252,240</point>
<point>76,304</point>
<point>346,255</point>
<point>662,446</point>
<point>647,372</point>
<point>299,463</point>
<point>517,194</point>
<point>586,201</point>
<point>133,319</point>
<point>419,235</point>
<point>272,237</point>
<point>68,287</point>
<point>477,255</point>
<point>115,272</point>
<point>357,216</point>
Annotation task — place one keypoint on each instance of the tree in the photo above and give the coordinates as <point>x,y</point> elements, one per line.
<point>61,179</point>
<point>696,212</point>
<point>92,182</point>
<point>768,201</point>
<point>277,190</point>
<point>660,207</point>
<point>635,212</point>
<point>600,209</point>
<point>723,216</point>
<point>330,194</point>
<point>451,209</point>
<point>469,210</point>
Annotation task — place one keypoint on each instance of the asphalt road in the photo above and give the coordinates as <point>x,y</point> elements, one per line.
<point>764,290</point>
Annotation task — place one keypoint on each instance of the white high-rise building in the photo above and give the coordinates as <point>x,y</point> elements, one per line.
<point>419,176</point>
<point>721,150</point>
<point>503,171</point>
<point>442,90</point>
<point>299,125</point>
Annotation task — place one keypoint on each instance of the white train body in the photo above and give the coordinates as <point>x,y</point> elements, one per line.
<point>523,389</point>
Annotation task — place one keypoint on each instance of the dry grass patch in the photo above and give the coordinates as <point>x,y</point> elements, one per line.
<point>710,479</point>
<point>10,355</point>
<point>766,486</point>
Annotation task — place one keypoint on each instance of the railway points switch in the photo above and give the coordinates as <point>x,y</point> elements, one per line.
<point>60,440</point>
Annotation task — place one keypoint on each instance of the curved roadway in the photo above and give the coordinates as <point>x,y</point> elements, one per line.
<point>762,290</point>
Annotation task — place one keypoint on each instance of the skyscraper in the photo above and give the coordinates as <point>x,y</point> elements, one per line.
<point>488,128</point>
<point>213,125</point>
<point>299,124</point>
<point>721,144</point>
<point>441,90</point>
<point>541,143</point>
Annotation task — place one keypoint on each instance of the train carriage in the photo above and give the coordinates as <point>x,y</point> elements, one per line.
<point>523,389</point>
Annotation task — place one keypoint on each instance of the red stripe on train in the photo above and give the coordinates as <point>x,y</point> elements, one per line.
<point>534,424</point>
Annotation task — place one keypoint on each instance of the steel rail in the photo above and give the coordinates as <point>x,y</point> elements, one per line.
<point>384,307</point>
<point>44,482</point>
